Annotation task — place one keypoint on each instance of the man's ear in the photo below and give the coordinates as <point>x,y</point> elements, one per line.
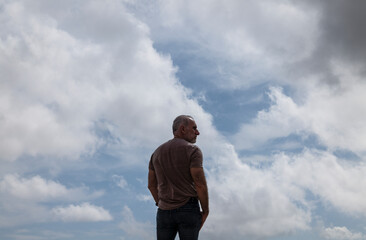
<point>182,129</point>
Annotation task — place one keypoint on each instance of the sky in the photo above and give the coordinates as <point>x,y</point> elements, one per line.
<point>89,89</point>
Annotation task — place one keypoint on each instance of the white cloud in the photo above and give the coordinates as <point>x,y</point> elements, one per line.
<point>145,198</point>
<point>341,233</point>
<point>82,213</point>
<point>40,97</point>
<point>60,84</point>
<point>26,234</point>
<point>337,183</point>
<point>24,200</point>
<point>135,229</point>
<point>258,39</point>
<point>120,181</point>
<point>37,189</point>
<point>280,120</point>
<point>273,192</point>
<point>335,116</point>
<point>251,202</point>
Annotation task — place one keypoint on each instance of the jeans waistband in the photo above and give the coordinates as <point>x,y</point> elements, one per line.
<point>193,200</point>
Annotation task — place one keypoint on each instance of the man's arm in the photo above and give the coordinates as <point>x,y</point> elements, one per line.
<point>199,179</point>
<point>153,185</point>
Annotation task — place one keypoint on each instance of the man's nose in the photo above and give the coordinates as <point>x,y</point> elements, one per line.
<point>197,132</point>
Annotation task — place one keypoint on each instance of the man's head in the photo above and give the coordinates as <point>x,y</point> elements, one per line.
<point>185,127</point>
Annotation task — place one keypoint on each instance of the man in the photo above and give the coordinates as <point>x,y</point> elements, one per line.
<point>177,182</point>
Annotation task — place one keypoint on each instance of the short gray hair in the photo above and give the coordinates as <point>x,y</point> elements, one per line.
<point>181,119</point>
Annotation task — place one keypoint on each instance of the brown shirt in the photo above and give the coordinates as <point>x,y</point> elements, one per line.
<point>171,163</point>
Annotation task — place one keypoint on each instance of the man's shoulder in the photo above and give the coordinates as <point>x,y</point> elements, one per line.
<point>163,146</point>
<point>179,142</point>
<point>176,143</point>
<point>166,144</point>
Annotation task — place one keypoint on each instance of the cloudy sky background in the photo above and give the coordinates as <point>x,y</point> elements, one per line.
<point>88,89</point>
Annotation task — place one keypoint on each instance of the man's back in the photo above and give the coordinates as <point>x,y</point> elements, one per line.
<point>177,183</point>
<point>172,162</point>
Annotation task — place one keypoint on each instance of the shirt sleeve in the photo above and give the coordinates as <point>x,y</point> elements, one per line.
<point>196,158</point>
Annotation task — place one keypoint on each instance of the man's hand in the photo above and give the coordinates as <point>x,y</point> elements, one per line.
<point>204,217</point>
<point>153,185</point>
<point>199,179</point>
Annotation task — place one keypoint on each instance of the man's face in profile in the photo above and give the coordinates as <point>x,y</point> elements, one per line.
<point>191,132</point>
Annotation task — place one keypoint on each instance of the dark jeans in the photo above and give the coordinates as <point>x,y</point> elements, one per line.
<point>185,220</point>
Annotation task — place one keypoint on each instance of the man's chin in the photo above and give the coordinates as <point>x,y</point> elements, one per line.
<point>191,140</point>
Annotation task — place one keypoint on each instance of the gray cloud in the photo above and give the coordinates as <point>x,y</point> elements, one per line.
<point>342,37</point>
<point>343,29</point>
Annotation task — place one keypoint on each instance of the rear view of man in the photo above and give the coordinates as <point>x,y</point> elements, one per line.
<point>177,183</point>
